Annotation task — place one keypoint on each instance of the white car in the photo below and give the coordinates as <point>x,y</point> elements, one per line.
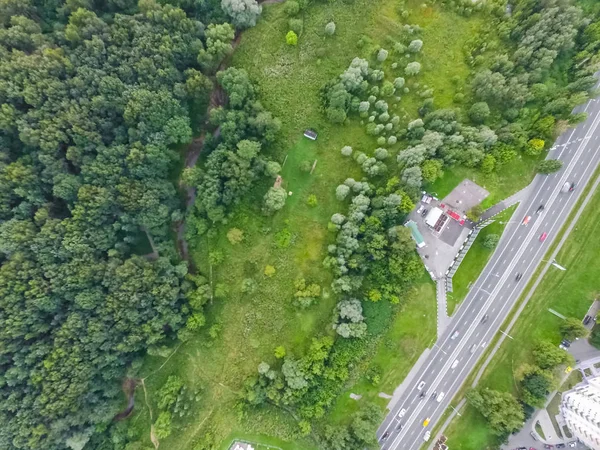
<point>420,209</point>
<point>401,413</point>
<point>427,435</point>
<point>440,397</point>
<point>421,385</point>
<point>455,334</point>
<point>454,364</point>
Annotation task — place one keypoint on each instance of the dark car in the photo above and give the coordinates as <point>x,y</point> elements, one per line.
<point>484,319</point>
<point>560,445</point>
<point>399,427</point>
<point>566,343</point>
<point>572,187</point>
<point>540,209</point>
<point>385,436</point>
<point>519,276</point>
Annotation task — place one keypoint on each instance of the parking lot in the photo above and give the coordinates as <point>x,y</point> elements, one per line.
<point>443,225</point>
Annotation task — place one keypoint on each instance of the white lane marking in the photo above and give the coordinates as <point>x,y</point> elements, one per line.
<point>504,261</point>
<point>484,291</point>
<point>548,188</point>
<point>477,334</point>
<point>553,197</point>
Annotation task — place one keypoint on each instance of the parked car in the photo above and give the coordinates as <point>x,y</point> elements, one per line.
<point>572,444</point>
<point>548,446</point>
<point>560,445</point>
<point>420,209</point>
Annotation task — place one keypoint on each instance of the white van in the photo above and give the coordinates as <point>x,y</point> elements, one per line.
<point>440,397</point>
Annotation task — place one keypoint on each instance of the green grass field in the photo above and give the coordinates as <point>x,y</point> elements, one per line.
<point>570,293</point>
<point>475,260</point>
<point>294,240</point>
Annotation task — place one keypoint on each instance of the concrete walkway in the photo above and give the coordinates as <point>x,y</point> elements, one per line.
<point>442,306</point>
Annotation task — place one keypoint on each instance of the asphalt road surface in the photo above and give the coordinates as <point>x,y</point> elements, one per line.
<point>495,292</point>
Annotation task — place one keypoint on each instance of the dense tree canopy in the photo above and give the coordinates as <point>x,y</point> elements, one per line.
<point>90,106</point>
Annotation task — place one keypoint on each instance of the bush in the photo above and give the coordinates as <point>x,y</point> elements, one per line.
<point>330,29</point>
<point>382,55</point>
<point>269,271</point>
<point>291,38</point>
<point>296,25</point>
<point>381,140</point>
<point>312,200</point>
<point>305,166</point>
<point>235,236</point>
<point>291,8</point>
<point>341,192</point>
<point>415,46</point>
<point>412,68</point>
<point>392,140</point>
<point>346,150</point>
<point>274,200</point>
<point>162,426</point>
<point>490,241</point>
<point>479,112</point>
<point>549,166</point>
<point>535,147</point>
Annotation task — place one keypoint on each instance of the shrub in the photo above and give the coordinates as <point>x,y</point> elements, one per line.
<point>392,140</point>
<point>235,236</point>
<point>162,426</point>
<point>305,166</point>
<point>296,25</point>
<point>249,286</point>
<point>549,166</point>
<point>330,28</point>
<point>269,271</point>
<point>479,112</point>
<point>291,38</point>
<point>535,147</point>
<point>341,192</point>
<point>280,352</point>
<point>381,140</point>
<point>399,83</point>
<point>382,55</point>
<point>415,46</point>
<point>412,68</point>
<point>346,150</point>
<point>311,200</point>
<point>291,8</point>
<point>381,154</point>
<point>490,241</point>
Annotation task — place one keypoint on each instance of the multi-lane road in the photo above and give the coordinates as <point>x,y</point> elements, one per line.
<point>495,292</point>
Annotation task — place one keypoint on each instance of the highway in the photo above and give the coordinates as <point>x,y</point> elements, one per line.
<point>495,292</point>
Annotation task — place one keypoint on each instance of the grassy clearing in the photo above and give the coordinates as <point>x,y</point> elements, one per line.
<point>294,240</point>
<point>475,260</point>
<point>399,348</point>
<point>510,178</point>
<point>570,293</point>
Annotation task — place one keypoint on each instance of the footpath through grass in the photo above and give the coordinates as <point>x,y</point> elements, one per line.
<point>244,329</point>
<point>475,260</point>
<point>570,293</point>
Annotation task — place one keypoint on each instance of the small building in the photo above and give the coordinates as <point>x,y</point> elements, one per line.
<point>311,134</point>
<point>416,234</point>
<point>241,446</point>
<point>433,216</point>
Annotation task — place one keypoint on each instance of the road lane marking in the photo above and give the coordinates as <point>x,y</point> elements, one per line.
<point>530,236</point>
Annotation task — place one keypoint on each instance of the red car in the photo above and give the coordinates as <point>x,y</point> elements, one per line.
<point>543,237</point>
<point>526,220</point>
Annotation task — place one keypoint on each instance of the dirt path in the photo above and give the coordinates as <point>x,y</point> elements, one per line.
<point>217,98</point>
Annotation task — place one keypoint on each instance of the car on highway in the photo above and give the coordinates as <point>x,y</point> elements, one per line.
<point>399,427</point>
<point>454,335</point>
<point>385,436</point>
<point>401,413</point>
<point>572,187</point>
<point>440,397</point>
<point>421,385</point>
<point>427,435</point>
<point>543,236</point>
<point>540,209</point>
<point>426,421</point>
<point>454,364</point>
<point>526,220</point>
<point>519,276</point>
<point>473,348</point>
<point>484,319</point>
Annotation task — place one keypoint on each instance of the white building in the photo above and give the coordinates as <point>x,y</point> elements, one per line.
<point>580,408</point>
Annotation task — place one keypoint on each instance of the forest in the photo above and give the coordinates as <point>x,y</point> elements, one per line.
<point>142,217</point>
